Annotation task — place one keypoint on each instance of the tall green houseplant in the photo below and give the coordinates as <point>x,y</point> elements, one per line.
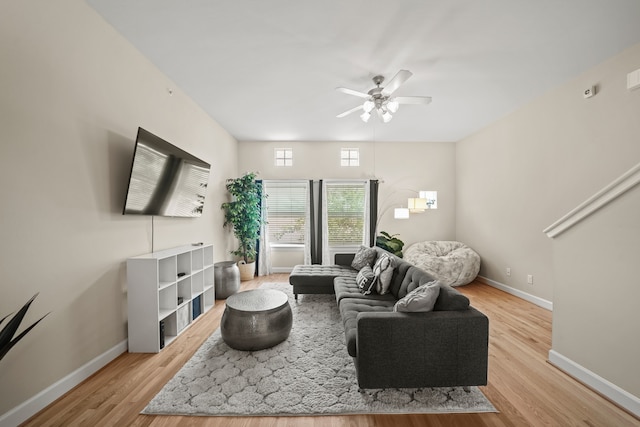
<point>243,214</point>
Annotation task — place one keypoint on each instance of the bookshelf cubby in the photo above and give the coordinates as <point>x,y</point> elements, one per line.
<point>165,290</point>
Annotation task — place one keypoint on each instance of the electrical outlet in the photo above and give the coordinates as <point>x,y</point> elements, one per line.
<point>530,279</point>
<point>508,271</point>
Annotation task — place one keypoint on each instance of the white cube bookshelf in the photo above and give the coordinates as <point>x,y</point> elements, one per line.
<point>169,287</point>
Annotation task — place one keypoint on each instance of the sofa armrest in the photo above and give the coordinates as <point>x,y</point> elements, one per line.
<point>435,349</point>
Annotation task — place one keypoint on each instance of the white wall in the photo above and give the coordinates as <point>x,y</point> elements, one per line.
<point>521,174</point>
<point>403,169</point>
<point>73,93</point>
<point>284,259</point>
<point>596,316</point>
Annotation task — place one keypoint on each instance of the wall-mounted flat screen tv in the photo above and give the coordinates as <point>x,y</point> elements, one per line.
<point>165,180</point>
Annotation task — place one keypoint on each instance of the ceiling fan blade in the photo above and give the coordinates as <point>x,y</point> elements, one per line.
<point>397,80</point>
<point>412,99</point>
<point>346,113</point>
<point>353,92</point>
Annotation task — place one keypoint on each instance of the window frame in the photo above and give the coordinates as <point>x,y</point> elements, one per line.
<point>349,157</point>
<point>301,186</point>
<point>283,156</point>
<point>363,213</point>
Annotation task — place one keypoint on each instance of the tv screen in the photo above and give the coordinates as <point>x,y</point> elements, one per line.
<point>165,180</point>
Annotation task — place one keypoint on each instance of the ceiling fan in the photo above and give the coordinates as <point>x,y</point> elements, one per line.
<point>381,98</point>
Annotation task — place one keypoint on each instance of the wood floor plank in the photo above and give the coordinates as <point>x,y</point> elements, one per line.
<point>524,387</point>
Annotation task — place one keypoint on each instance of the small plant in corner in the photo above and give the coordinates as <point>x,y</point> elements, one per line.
<point>390,243</point>
<point>7,341</point>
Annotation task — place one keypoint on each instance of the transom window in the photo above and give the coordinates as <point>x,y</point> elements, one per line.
<point>350,157</point>
<point>283,156</point>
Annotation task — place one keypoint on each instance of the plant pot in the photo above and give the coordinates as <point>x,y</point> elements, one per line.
<point>247,270</point>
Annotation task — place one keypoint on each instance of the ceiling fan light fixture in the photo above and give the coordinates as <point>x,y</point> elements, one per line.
<point>381,100</point>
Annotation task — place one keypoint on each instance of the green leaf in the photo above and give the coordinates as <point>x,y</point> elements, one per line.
<point>7,341</point>
<point>390,243</point>
<point>243,213</point>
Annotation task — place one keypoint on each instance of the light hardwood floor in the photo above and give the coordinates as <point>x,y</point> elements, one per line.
<point>523,386</point>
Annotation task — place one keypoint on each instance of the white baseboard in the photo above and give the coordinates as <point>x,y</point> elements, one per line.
<point>611,391</point>
<point>517,292</point>
<point>281,269</point>
<point>27,409</point>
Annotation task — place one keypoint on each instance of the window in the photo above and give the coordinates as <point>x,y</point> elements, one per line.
<point>346,213</point>
<point>283,156</point>
<point>287,206</point>
<point>349,157</point>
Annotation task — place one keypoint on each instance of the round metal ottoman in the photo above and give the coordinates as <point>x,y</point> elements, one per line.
<point>256,319</point>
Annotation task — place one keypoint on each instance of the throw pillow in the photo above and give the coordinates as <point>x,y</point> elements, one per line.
<point>365,280</point>
<point>383,271</point>
<point>364,256</point>
<point>421,299</point>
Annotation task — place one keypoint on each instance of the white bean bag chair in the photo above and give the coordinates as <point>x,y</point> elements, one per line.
<point>453,263</point>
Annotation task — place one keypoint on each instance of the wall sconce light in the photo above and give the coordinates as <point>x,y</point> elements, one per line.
<point>401,213</point>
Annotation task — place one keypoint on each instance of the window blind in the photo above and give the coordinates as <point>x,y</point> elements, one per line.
<point>346,213</point>
<point>286,211</point>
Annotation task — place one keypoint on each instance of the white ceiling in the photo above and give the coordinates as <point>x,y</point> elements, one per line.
<point>267,70</point>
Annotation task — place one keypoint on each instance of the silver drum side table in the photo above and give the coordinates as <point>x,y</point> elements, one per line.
<point>226,276</point>
<point>256,319</point>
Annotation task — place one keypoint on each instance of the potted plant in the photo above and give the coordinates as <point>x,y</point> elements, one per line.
<point>242,213</point>
<point>7,339</point>
<point>390,243</point>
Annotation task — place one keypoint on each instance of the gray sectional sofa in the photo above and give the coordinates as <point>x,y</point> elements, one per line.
<point>445,347</point>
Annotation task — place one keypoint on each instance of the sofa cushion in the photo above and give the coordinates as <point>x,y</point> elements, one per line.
<point>421,299</point>
<point>346,287</point>
<point>364,257</point>
<point>349,310</point>
<point>450,299</point>
<point>406,278</point>
<point>365,279</point>
<point>383,271</point>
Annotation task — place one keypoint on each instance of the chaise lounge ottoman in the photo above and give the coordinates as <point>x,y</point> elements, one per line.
<point>317,279</point>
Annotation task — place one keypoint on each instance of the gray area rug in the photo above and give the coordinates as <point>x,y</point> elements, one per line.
<point>310,373</point>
